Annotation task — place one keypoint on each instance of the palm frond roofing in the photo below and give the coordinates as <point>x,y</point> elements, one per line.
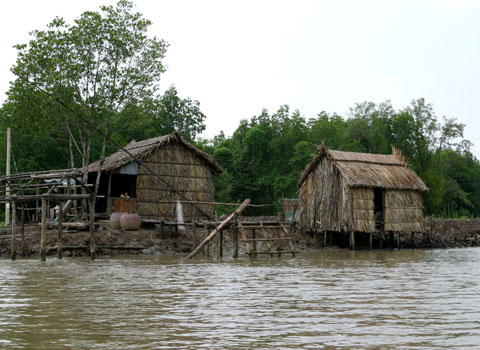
<point>387,171</point>
<point>141,149</point>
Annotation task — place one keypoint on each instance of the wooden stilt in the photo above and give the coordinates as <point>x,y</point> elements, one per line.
<point>254,243</point>
<point>206,250</point>
<point>37,209</point>
<point>93,253</point>
<point>382,240</point>
<point>398,240</point>
<point>22,229</point>
<point>194,234</point>
<point>162,229</point>
<point>60,232</point>
<point>235,239</point>
<point>325,238</point>
<point>13,254</point>
<point>352,240</point>
<point>220,245</point>
<point>43,242</point>
<point>371,240</point>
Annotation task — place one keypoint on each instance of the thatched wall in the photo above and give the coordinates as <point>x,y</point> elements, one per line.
<point>326,198</point>
<point>403,211</point>
<point>183,169</point>
<point>363,209</point>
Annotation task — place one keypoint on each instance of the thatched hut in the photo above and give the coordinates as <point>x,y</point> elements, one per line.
<point>181,173</point>
<point>360,192</point>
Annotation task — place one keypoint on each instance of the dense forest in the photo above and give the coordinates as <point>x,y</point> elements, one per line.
<point>79,86</point>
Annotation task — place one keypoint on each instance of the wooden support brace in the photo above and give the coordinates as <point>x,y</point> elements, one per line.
<point>219,228</point>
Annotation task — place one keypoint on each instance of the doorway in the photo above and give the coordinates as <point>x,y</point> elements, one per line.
<point>379,206</point>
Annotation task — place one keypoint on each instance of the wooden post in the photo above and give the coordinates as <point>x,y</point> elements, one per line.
<point>7,172</point>
<point>382,240</point>
<point>371,240</point>
<point>219,228</point>
<point>324,238</point>
<point>162,229</point>
<point>194,234</point>
<point>398,240</point>
<point>352,240</point>
<point>220,245</point>
<point>37,208</point>
<point>235,238</point>
<point>14,234</point>
<point>60,231</point>
<point>176,230</point>
<point>109,198</point>
<point>206,251</point>
<point>22,229</point>
<point>254,243</point>
<point>43,242</point>
<point>93,253</point>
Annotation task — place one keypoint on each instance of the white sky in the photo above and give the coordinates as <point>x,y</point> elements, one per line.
<point>237,57</point>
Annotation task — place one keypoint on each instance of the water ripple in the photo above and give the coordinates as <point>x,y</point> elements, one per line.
<point>327,300</point>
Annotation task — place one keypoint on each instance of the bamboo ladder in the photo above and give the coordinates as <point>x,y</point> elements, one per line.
<point>274,236</point>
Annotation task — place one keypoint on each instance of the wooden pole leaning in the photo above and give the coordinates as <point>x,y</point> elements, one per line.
<point>13,254</point>
<point>219,228</point>
<point>43,242</point>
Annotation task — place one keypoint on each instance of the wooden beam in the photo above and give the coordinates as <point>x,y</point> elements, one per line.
<point>219,228</point>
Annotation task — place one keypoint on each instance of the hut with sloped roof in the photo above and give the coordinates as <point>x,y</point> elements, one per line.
<point>360,192</point>
<point>153,176</point>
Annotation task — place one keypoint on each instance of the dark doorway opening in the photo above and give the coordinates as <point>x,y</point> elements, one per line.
<point>379,206</point>
<point>121,184</point>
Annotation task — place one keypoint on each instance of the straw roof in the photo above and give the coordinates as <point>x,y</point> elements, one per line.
<point>142,149</point>
<point>389,171</point>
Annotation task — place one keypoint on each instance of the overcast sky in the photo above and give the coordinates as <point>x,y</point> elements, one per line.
<point>238,57</point>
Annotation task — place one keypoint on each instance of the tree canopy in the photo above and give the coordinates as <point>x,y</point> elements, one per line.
<point>266,155</point>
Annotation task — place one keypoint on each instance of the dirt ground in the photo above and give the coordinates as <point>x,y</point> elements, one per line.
<point>151,241</point>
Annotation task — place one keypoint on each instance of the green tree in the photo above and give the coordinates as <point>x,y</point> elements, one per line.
<point>97,67</point>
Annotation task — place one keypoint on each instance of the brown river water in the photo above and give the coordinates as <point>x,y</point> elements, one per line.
<point>407,299</point>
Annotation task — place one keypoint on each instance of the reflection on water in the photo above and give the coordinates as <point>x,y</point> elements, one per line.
<point>326,300</point>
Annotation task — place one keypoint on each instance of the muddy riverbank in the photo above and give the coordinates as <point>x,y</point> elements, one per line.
<point>439,233</point>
